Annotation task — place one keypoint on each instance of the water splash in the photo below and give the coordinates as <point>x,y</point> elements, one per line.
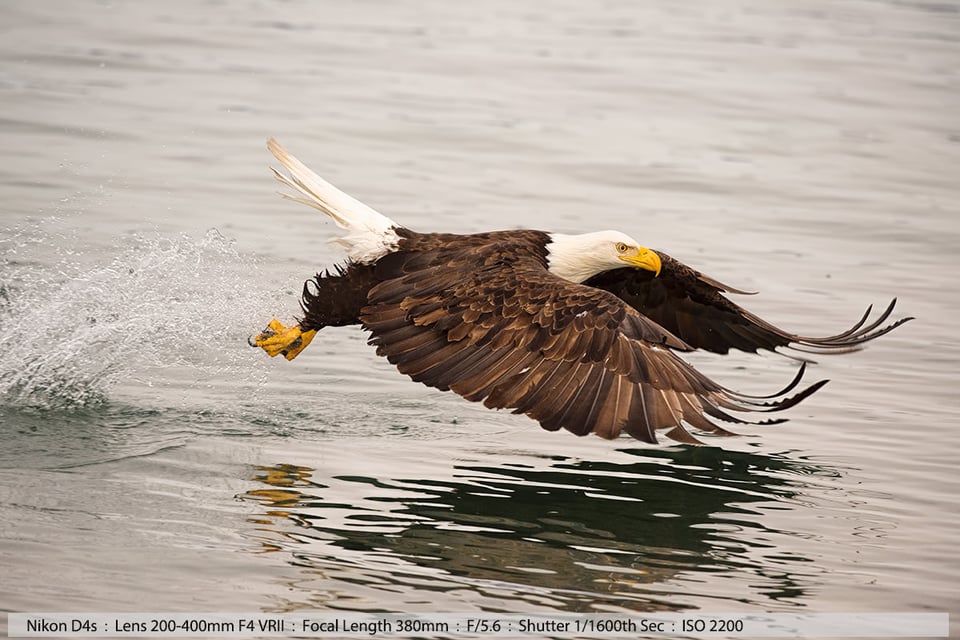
<point>74,324</point>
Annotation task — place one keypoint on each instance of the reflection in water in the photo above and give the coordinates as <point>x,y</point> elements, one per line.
<point>557,533</point>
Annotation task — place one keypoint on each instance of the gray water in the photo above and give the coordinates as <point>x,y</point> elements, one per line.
<point>805,149</point>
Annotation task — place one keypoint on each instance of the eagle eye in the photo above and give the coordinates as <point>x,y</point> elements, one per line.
<point>621,247</point>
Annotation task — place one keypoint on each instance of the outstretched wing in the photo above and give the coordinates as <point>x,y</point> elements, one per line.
<point>692,306</point>
<point>512,335</point>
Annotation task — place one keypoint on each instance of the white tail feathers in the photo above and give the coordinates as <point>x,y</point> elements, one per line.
<point>370,233</point>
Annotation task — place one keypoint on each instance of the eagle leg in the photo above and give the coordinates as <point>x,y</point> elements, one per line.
<point>277,339</point>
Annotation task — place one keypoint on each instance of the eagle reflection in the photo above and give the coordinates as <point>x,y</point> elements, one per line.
<point>569,534</point>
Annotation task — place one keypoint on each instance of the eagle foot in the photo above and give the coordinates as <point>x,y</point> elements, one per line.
<point>277,339</point>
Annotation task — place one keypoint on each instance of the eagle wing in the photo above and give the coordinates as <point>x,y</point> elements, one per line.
<point>514,336</point>
<point>692,306</point>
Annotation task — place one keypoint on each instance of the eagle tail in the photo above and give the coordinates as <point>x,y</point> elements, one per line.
<point>370,233</point>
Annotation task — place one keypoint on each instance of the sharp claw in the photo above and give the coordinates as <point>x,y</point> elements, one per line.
<point>277,340</point>
<point>255,341</point>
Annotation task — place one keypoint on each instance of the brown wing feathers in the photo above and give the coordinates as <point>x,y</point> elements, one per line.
<point>692,306</point>
<point>569,356</point>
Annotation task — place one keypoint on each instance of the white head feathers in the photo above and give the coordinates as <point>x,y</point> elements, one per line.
<point>582,256</point>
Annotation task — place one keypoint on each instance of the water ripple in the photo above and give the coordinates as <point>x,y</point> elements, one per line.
<point>550,528</point>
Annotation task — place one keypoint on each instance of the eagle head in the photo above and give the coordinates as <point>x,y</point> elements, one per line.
<point>580,257</point>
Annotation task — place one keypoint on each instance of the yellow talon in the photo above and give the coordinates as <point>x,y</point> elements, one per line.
<point>277,339</point>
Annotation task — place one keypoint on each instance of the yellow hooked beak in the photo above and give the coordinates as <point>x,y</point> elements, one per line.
<point>642,258</point>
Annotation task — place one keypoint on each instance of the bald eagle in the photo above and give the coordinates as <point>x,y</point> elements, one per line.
<point>579,332</point>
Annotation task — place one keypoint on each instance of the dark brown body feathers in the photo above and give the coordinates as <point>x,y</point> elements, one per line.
<point>335,299</point>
